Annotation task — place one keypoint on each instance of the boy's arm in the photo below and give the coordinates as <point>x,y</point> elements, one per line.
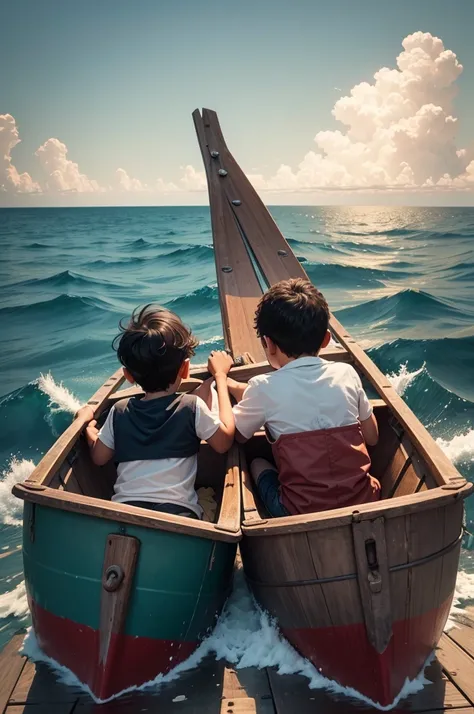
<point>99,451</point>
<point>368,422</point>
<point>236,389</point>
<point>249,412</point>
<point>370,430</point>
<point>219,365</point>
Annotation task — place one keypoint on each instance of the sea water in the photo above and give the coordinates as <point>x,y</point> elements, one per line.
<point>400,279</point>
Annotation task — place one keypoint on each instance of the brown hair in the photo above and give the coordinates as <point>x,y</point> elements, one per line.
<point>153,346</point>
<point>295,315</point>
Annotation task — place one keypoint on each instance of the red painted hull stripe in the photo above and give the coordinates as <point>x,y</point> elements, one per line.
<point>344,653</point>
<point>130,661</point>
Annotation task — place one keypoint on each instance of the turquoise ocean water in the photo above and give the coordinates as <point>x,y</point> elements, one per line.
<point>400,279</point>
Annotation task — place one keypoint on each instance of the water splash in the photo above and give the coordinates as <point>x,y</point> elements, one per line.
<point>459,448</point>
<point>10,506</point>
<point>60,398</point>
<point>14,603</point>
<point>402,380</point>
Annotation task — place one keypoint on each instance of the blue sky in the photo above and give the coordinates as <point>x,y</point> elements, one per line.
<point>116,81</point>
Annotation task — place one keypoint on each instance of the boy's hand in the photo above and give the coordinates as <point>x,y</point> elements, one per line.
<point>92,433</point>
<point>86,413</point>
<point>219,363</point>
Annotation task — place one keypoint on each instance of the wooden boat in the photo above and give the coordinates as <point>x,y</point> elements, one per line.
<point>119,594</point>
<point>363,592</point>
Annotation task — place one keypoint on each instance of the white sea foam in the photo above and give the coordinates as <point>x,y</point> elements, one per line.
<point>463,593</point>
<point>402,379</point>
<point>244,636</point>
<point>10,506</point>
<point>14,603</point>
<point>60,398</point>
<point>460,447</point>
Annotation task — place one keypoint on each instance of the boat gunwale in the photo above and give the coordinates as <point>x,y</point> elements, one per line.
<point>226,529</point>
<point>438,497</point>
<point>36,490</point>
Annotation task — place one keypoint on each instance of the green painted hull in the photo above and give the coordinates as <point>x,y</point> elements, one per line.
<point>180,584</point>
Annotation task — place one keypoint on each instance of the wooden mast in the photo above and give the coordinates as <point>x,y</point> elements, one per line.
<point>245,235</point>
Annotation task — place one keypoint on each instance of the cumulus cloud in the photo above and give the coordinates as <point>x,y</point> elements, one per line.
<point>126,183</point>
<point>10,179</point>
<point>62,173</point>
<point>193,180</point>
<point>399,130</point>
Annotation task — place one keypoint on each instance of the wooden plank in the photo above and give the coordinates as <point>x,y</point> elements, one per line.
<point>198,691</point>
<point>229,514</point>
<point>333,556</point>
<point>292,694</point>
<point>463,636</point>
<point>374,580</point>
<point>11,667</point>
<point>38,684</point>
<point>458,666</point>
<point>239,288</point>
<point>405,505</point>
<point>120,558</point>
<point>42,708</point>
<point>246,691</point>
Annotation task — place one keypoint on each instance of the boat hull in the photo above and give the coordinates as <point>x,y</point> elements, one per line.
<point>344,653</point>
<point>310,582</point>
<point>179,587</point>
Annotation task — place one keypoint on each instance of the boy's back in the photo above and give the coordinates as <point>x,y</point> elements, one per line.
<point>315,412</point>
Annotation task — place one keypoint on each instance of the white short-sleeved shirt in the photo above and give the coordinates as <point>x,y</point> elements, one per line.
<point>161,480</point>
<point>307,394</point>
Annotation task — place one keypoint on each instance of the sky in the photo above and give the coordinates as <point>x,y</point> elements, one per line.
<point>321,102</point>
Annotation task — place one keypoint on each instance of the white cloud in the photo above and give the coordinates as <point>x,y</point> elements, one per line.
<point>62,173</point>
<point>10,179</point>
<point>398,134</point>
<point>126,183</point>
<point>399,130</point>
<point>193,180</point>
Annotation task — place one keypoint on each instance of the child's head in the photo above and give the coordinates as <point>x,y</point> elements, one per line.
<point>155,348</point>
<point>293,317</point>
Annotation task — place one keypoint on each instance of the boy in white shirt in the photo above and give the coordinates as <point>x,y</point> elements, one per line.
<point>155,438</point>
<point>315,412</point>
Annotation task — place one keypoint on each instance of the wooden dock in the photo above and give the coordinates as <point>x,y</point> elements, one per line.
<point>216,688</point>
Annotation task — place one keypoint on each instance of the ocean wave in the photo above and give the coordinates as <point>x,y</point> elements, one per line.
<point>448,362</point>
<point>402,379</point>
<point>460,448</point>
<point>404,308</point>
<point>336,275</point>
<point>64,279</point>
<point>11,507</point>
<point>195,300</point>
<point>14,603</point>
<point>61,305</point>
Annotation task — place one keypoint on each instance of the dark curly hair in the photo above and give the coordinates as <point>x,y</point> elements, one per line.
<point>295,315</point>
<point>153,346</point>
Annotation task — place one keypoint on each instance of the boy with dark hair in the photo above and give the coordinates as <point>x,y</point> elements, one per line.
<point>155,438</point>
<point>316,413</point>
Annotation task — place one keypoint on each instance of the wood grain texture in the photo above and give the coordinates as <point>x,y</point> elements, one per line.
<point>458,665</point>
<point>11,667</point>
<point>121,552</point>
<point>371,559</point>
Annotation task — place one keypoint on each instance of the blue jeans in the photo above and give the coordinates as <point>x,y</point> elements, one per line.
<point>268,488</point>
